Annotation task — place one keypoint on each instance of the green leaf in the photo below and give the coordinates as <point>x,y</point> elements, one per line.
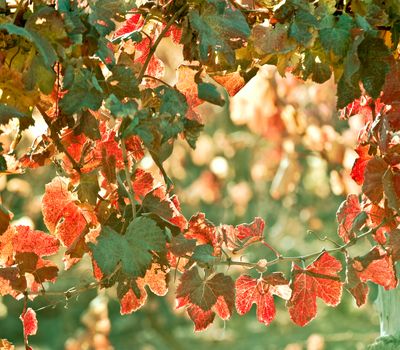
<point>153,204</point>
<point>123,83</point>
<point>84,93</point>
<point>204,292</point>
<point>43,46</point>
<point>220,28</point>
<point>88,125</point>
<point>314,65</point>
<point>208,92</point>
<point>120,109</point>
<point>373,55</point>
<point>7,113</point>
<point>203,254</point>
<point>172,101</point>
<point>104,12</point>
<point>335,34</point>
<point>192,130</point>
<point>272,40</point>
<point>181,246</point>
<point>132,250</point>
<point>348,85</point>
<point>88,188</point>
<point>300,28</point>
<point>40,75</point>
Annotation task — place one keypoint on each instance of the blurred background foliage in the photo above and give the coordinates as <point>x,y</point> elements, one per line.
<point>277,150</point>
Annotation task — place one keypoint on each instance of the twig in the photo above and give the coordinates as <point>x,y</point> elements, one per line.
<point>157,42</point>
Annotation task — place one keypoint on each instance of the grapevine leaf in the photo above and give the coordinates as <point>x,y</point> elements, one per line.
<point>346,215</point>
<point>202,319</point>
<point>203,231</point>
<point>320,279</point>
<point>272,40</point>
<point>335,34</point>
<point>358,169</point>
<point>251,291</point>
<point>300,27</point>
<point>373,184</point>
<point>156,279</point>
<point>373,55</point>
<point>27,240</point>
<point>208,92</point>
<point>122,82</point>
<point>376,266</point>
<point>220,28</point>
<point>348,85</point>
<point>7,113</point>
<point>88,188</point>
<point>180,246</point>
<point>232,82</point>
<point>29,323</point>
<point>133,249</point>
<point>62,216</point>
<point>356,287</point>
<point>43,46</point>
<point>394,244</point>
<point>4,219</point>
<point>203,254</point>
<point>204,295</point>
<point>84,93</point>
<point>205,292</point>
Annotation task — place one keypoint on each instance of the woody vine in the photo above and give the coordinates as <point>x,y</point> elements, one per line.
<point>91,71</point>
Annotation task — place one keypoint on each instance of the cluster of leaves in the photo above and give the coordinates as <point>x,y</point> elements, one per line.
<point>92,72</point>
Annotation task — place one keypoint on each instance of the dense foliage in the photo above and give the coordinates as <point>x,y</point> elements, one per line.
<point>91,71</point>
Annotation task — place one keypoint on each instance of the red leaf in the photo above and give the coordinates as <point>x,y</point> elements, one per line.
<point>377,266</point>
<point>29,323</point>
<point>175,33</point>
<point>394,244</point>
<point>187,86</point>
<point>232,82</point>
<point>357,172</point>
<point>62,216</point>
<point>377,215</point>
<point>203,231</point>
<point>11,281</point>
<point>155,279</point>
<point>201,318</point>
<point>356,287</point>
<point>251,291</point>
<point>253,231</point>
<point>33,241</point>
<point>346,216</point>
<point>131,25</point>
<point>373,186</point>
<point>142,184</point>
<point>320,279</point>
<point>391,89</point>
